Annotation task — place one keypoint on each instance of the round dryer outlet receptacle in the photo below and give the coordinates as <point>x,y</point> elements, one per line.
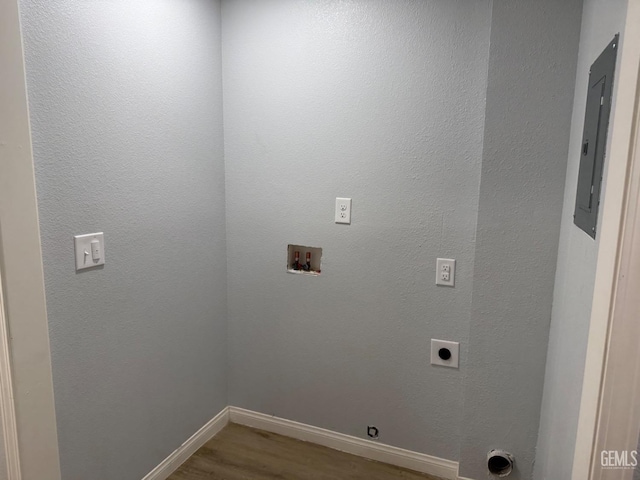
<point>444,353</point>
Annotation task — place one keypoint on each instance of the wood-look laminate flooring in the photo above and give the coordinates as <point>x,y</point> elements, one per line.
<point>243,453</point>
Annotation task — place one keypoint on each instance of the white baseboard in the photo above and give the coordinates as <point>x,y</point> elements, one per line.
<point>188,448</point>
<point>363,448</point>
<point>419,462</point>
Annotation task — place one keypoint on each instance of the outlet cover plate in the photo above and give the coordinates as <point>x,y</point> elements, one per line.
<point>343,210</point>
<point>446,272</point>
<point>453,347</point>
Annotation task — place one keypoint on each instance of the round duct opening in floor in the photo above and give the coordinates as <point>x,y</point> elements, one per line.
<point>500,463</point>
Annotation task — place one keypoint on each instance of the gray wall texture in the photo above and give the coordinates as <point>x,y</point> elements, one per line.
<point>575,274</point>
<point>125,101</point>
<point>447,122</point>
<point>334,98</point>
<point>382,102</point>
<point>532,69</point>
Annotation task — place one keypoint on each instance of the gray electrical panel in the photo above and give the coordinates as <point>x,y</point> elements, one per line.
<point>594,139</point>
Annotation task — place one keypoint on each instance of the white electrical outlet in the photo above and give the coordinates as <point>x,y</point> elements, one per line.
<point>445,353</point>
<point>343,210</point>
<point>446,272</point>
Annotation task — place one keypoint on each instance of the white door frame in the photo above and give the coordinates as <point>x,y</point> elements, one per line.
<point>608,313</point>
<point>618,421</point>
<point>7,405</point>
<point>25,316</point>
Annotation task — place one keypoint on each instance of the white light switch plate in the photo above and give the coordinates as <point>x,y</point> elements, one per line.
<point>343,210</point>
<point>446,272</point>
<point>452,347</point>
<point>84,254</point>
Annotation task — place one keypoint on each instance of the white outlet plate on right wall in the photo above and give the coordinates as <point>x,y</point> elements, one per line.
<point>446,272</point>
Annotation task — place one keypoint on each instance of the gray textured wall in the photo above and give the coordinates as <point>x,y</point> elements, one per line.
<point>125,101</point>
<point>575,275</point>
<point>382,102</point>
<point>532,67</point>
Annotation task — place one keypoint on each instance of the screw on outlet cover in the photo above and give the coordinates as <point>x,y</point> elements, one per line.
<point>372,431</point>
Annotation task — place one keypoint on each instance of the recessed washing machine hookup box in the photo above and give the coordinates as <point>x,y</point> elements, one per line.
<point>304,260</point>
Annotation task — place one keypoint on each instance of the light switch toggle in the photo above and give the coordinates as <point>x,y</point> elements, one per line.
<point>95,249</point>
